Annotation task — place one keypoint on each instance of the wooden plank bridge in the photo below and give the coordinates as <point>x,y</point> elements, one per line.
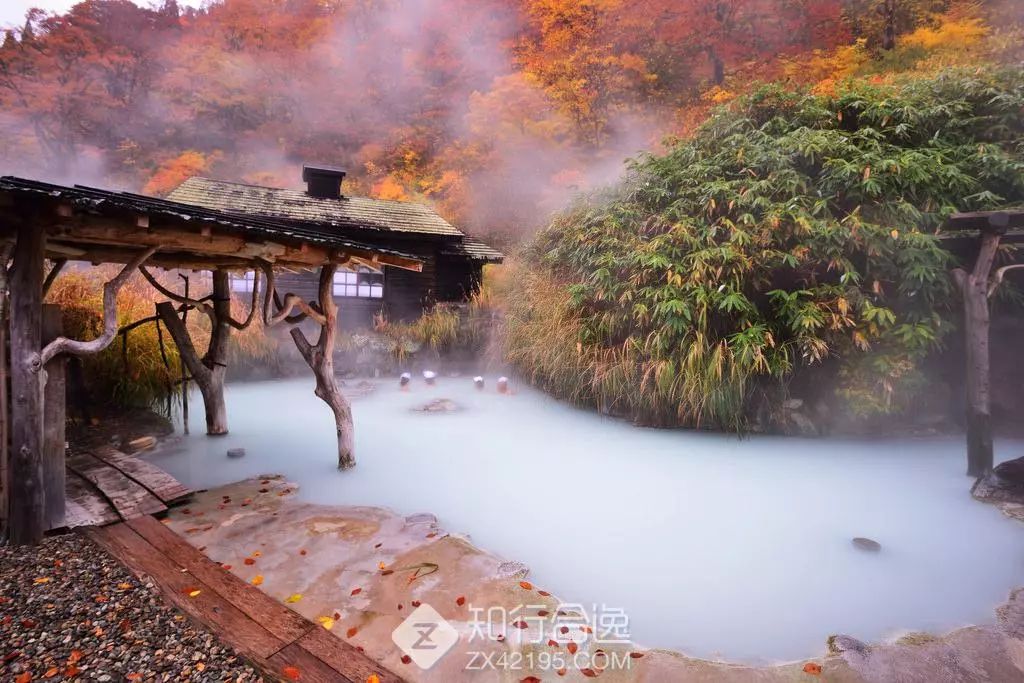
<point>104,486</point>
<point>261,629</point>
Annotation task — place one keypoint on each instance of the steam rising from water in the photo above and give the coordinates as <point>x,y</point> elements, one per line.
<point>712,545</point>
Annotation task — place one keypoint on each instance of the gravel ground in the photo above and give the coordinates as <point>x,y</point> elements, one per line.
<point>69,611</point>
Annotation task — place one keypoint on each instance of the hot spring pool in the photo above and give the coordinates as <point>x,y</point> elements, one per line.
<point>715,546</point>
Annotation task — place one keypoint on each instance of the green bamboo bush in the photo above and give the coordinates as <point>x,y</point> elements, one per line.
<point>788,246</point>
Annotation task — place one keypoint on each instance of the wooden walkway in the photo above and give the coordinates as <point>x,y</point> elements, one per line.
<point>261,629</point>
<point>105,485</point>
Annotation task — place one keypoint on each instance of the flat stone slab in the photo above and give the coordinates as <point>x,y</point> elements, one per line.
<point>360,571</point>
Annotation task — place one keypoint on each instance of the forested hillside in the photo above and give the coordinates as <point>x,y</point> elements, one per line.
<point>496,111</point>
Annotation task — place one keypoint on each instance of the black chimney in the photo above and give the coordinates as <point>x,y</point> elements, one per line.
<point>323,181</point>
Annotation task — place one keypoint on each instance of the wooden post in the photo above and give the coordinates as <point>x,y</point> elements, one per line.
<point>54,421</point>
<point>5,485</point>
<point>976,288</point>
<point>27,497</point>
<point>184,370</point>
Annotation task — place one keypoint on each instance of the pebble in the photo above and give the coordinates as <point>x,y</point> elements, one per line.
<point>867,544</point>
<point>132,631</point>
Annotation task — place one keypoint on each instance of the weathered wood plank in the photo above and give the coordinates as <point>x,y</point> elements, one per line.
<point>343,657</point>
<point>27,520</point>
<point>128,498</point>
<point>208,607</point>
<point>54,421</point>
<point>310,668</point>
<point>159,483</point>
<point>275,617</point>
<point>84,506</point>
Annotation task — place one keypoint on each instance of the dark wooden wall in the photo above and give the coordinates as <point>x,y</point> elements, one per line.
<point>406,293</point>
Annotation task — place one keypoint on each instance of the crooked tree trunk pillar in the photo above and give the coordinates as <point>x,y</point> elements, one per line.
<point>209,371</point>
<point>976,287</point>
<point>320,359</point>
<point>26,498</point>
<point>979,417</point>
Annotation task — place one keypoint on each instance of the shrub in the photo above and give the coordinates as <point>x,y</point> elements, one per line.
<point>790,240</point>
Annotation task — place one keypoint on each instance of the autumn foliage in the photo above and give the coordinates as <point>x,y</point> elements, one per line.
<point>496,111</point>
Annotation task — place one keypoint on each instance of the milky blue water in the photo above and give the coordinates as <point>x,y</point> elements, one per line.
<point>713,545</point>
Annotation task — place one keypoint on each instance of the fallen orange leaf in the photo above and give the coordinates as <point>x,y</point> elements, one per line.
<point>352,631</point>
<point>526,585</point>
<point>41,579</point>
<point>75,656</point>
<point>24,677</point>
<point>249,561</point>
<point>51,672</point>
<point>257,580</point>
<point>812,668</point>
<point>291,673</point>
<point>589,673</point>
<point>572,647</point>
<point>373,678</point>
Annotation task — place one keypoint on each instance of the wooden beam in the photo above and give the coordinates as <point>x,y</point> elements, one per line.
<point>27,496</point>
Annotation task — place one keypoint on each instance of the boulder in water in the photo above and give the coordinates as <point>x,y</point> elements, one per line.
<point>421,518</point>
<point>867,544</point>
<point>838,644</point>
<point>235,453</point>
<point>1005,484</point>
<point>438,405</point>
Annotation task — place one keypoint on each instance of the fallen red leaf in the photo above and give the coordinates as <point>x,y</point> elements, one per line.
<point>589,673</point>
<point>560,672</point>
<point>28,623</point>
<point>636,655</point>
<point>379,545</point>
<point>302,552</point>
<point>460,601</point>
<point>812,668</point>
<point>125,625</point>
<point>399,605</point>
<point>352,631</point>
<point>356,591</point>
<point>520,624</point>
<point>564,629</point>
<point>226,567</point>
<point>553,643</point>
<point>71,671</point>
<point>249,561</point>
<point>385,572</point>
<point>11,656</point>
<point>542,613</point>
<point>291,673</point>
<point>406,659</point>
<point>572,647</point>
<point>416,603</point>
<point>544,593</point>
<point>526,585</point>
<point>530,679</point>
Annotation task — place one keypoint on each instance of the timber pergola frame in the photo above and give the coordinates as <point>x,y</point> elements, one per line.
<point>40,221</point>
<point>980,235</point>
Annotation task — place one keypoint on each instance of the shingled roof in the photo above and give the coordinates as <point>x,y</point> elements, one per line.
<point>347,212</point>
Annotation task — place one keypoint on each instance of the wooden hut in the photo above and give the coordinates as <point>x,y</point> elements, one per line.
<point>452,261</point>
<point>40,221</point>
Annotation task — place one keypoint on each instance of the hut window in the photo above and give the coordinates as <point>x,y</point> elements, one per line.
<point>243,282</point>
<point>363,282</point>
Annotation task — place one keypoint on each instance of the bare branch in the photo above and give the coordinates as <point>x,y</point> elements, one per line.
<point>252,310</point>
<point>80,348</point>
<point>195,303</point>
<point>58,266</point>
<point>997,279</point>
<point>291,302</point>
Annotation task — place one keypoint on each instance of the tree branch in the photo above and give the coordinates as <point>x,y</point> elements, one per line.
<point>194,303</point>
<point>291,302</point>
<point>997,279</point>
<point>58,266</point>
<point>252,310</point>
<point>110,290</point>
